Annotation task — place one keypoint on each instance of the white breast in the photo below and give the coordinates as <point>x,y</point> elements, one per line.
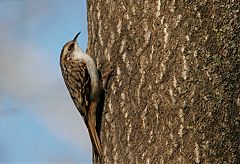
<point>91,66</point>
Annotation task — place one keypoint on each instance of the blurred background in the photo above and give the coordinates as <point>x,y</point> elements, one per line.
<point>38,121</point>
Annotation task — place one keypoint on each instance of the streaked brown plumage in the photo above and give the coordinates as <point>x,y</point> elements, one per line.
<point>81,78</point>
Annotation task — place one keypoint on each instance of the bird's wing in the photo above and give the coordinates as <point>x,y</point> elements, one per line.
<point>78,82</point>
<point>90,108</point>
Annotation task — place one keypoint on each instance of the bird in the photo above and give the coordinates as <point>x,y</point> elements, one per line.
<point>81,77</point>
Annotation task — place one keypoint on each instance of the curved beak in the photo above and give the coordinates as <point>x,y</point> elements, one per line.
<point>75,38</point>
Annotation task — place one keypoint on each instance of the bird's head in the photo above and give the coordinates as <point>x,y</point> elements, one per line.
<point>70,50</point>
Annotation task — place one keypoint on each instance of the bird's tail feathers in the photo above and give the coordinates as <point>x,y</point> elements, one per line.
<point>94,138</point>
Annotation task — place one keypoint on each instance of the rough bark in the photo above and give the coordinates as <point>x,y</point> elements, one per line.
<point>175,95</point>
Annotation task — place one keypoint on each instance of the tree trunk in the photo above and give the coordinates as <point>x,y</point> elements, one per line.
<point>175,95</point>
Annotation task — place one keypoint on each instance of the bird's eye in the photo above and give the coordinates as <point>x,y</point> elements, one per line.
<point>70,47</point>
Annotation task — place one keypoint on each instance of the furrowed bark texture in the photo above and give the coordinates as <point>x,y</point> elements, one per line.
<point>175,94</point>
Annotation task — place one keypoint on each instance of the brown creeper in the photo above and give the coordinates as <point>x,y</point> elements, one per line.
<point>81,78</point>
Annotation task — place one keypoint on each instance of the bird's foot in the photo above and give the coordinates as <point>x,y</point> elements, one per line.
<point>106,76</point>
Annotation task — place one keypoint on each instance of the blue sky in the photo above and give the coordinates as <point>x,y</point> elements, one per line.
<point>38,121</point>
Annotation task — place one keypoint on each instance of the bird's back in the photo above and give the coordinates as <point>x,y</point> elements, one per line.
<point>78,82</point>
